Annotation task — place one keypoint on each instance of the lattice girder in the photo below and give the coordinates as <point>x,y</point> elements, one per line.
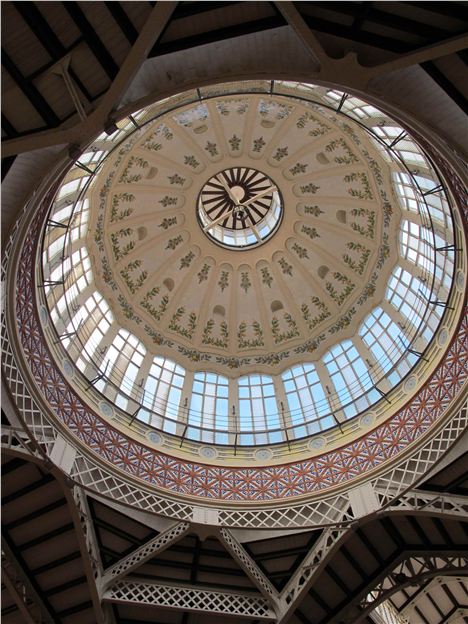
<point>190,599</point>
<point>145,552</point>
<point>409,569</point>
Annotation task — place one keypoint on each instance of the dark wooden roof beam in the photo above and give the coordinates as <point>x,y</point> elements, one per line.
<point>450,89</point>
<point>21,563</point>
<point>45,537</point>
<point>11,132</point>
<point>189,9</point>
<point>122,20</point>
<point>95,44</point>
<point>450,9</point>
<point>31,487</point>
<point>76,609</point>
<point>56,563</point>
<point>391,20</point>
<point>48,39</point>
<point>213,36</point>
<point>34,515</point>
<point>30,91</point>
<point>58,589</point>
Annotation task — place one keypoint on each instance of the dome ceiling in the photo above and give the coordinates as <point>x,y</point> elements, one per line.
<point>243,232</point>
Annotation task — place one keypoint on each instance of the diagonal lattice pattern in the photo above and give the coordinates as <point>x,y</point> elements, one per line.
<point>191,599</point>
<point>154,546</point>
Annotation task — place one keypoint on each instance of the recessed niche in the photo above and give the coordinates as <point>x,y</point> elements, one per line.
<point>219,310</point>
<point>322,159</point>
<point>142,232</point>
<point>151,173</point>
<point>276,306</point>
<point>341,216</point>
<point>322,271</point>
<point>169,283</point>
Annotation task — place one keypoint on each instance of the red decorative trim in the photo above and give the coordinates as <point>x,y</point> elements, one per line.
<point>252,484</point>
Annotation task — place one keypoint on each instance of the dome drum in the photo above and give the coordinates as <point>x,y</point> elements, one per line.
<point>288,344</point>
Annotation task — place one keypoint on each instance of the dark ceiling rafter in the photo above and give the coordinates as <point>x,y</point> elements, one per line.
<point>450,9</point>
<point>95,44</point>
<point>122,20</point>
<point>220,34</point>
<point>39,26</point>
<point>31,487</point>
<point>189,9</point>
<point>35,515</point>
<point>439,77</point>
<point>8,127</point>
<point>390,20</point>
<point>30,91</point>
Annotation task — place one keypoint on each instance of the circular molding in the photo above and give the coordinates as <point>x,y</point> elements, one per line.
<point>208,452</point>
<point>443,336</point>
<point>68,368</point>
<point>410,383</point>
<point>367,420</point>
<point>317,443</point>
<point>154,437</point>
<point>263,454</point>
<point>106,409</point>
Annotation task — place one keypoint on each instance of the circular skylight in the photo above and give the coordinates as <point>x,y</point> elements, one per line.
<point>239,207</point>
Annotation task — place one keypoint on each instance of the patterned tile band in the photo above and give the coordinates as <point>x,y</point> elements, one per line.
<point>384,443</point>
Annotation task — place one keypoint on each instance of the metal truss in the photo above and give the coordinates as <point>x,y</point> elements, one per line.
<point>21,589</point>
<point>430,502</point>
<point>135,559</point>
<point>15,439</point>
<point>410,569</point>
<point>190,599</point>
<point>301,581</point>
<point>91,556</point>
<point>438,580</point>
<point>246,562</point>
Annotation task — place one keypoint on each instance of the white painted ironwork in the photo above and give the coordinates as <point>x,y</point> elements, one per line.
<point>92,556</point>
<point>301,581</point>
<point>26,598</point>
<point>16,439</point>
<point>246,562</point>
<point>190,599</point>
<point>420,593</point>
<point>410,569</point>
<point>431,502</point>
<point>386,613</point>
<point>135,559</point>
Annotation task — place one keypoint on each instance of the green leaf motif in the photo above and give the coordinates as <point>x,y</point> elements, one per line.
<point>212,149</point>
<point>258,144</point>
<point>223,281</point>
<point>172,243</point>
<point>267,279</point>
<point>250,343</point>
<point>203,273</point>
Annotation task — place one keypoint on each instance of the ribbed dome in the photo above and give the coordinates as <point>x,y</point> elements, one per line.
<point>237,308</point>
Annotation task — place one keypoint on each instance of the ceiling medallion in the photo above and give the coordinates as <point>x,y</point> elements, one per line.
<point>239,207</point>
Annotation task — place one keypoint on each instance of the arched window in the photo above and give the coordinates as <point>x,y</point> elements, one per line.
<point>162,394</point>
<point>258,410</point>
<point>307,402</point>
<point>351,379</point>
<point>209,408</point>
